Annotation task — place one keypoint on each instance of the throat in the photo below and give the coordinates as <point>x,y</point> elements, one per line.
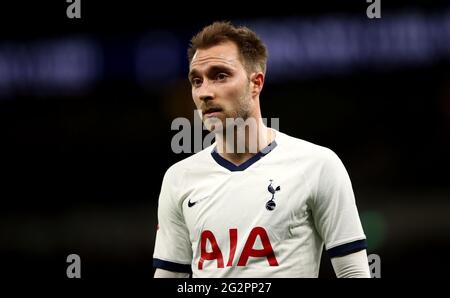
<point>237,158</point>
<point>238,151</point>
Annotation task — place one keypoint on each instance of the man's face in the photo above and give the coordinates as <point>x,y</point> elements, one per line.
<point>220,84</point>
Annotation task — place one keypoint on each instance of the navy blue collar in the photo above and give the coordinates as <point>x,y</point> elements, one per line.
<point>234,168</point>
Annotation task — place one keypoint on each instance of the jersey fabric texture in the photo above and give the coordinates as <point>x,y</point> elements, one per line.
<point>268,217</point>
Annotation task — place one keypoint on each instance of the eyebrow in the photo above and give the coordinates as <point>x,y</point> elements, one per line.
<point>212,69</point>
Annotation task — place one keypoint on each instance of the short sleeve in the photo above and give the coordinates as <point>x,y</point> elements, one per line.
<point>172,245</point>
<point>334,209</point>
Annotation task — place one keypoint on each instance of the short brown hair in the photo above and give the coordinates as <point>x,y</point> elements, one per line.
<point>251,48</point>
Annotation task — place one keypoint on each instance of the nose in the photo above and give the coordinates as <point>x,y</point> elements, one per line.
<point>205,93</point>
<point>206,97</point>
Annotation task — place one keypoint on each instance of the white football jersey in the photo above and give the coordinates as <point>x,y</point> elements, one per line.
<point>268,217</point>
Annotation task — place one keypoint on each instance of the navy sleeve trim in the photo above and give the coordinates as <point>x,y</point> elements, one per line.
<point>175,267</point>
<point>347,248</point>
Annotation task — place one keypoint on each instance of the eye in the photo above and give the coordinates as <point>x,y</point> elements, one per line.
<point>221,76</point>
<point>196,82</point>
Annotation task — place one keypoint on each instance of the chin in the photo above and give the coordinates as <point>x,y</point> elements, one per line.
<point>213,124</point>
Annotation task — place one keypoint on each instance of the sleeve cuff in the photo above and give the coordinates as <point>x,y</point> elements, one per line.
<point>347,248</point>
<point>171,266</point>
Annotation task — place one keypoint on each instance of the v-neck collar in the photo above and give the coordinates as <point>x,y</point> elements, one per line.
<point>234,168</point>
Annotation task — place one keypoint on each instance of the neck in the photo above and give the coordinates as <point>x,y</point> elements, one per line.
<point>239,143</point>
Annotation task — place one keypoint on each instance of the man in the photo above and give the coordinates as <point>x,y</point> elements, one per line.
<point>225,212</point>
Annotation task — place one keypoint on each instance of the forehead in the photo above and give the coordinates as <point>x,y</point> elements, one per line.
<point>223,54</point>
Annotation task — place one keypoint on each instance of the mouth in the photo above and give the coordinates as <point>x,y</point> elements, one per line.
<point>210,112</point>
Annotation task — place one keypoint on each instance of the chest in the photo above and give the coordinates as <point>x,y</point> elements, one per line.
<point>274,200</point>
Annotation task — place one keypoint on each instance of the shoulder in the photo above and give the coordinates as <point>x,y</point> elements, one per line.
<point>302,149</point>
<point>186,172</point>
<point>195,162</point>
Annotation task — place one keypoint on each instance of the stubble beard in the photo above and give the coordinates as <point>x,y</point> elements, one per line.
<point>243,111</point>
<point>233,125</point>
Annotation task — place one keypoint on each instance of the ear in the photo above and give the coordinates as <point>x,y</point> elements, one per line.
<point>257,79</point>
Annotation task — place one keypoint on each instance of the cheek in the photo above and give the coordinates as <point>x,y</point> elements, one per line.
<point>195,98</point>
<point>240,94</point>
<point>234,92</point>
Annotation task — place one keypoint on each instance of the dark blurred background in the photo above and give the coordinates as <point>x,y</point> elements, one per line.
<point>86,107</point>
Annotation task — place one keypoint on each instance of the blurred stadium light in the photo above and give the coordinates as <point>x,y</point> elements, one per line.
<point>299,48</point>
<point>66,65</point>
<point>335,44</point>
<point>159,58</point>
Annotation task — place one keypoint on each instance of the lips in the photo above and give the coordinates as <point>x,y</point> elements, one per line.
<point>211,110</point>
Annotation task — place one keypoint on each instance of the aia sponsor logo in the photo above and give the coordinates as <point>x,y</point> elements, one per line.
<point>216,255</point>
